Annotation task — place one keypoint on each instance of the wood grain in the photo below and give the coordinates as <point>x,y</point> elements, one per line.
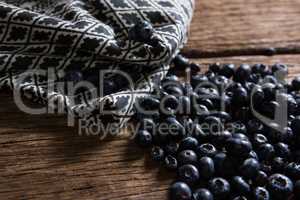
<point>228,27</point>
<point>42,158</point>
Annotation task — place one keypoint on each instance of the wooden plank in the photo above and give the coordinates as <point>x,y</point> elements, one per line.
<point>227,27</point>
<point>41,158</point>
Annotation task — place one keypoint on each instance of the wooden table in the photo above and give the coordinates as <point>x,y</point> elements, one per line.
<point>41,158</point>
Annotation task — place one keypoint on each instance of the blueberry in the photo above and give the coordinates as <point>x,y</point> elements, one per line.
<point>206,167</point>
<point>238,147</point>
<point>181,62</point>
<point>221,82</point>
<point>198,80</point>
<point>173,79</point>
<point>187,157</point>
<point>240,198</point>
<point>254,78</point>
<point>219,187</point>
<point>200,112</point>
<point>188,174</point>
<point>223,116</point>
<point>261,178</point>
<point>296,83</point>
<point>141,32</point>
<point>282,150</point>
<point>216,67</point>
<point>207,92</point>
<point>219,159</point>
<point>180,191</point>
<point>185,105</point>
<point>260,69</point>
<point>293,170</point>
<point>206,150</point>
<point>173,90</point>
<point>202,194</point>
<point>292,104</point>
<point>170,162</point>
<point>240,97</point>
<point>171,148</point>
<point>258,96</point>
<point>250,168</point>
<point>210,75</point>
<point>280,186</point>
<point>195,68</point>
<point>270,79</point>
<point>169,101</point>
<point>227,70</point>
<point>157,154</point>
<point>188,143</point>
<point>149,103</point>
<point>260,193</point>
<point>253,155</point>
<point>249,86</point>
<point>240,136</point>
<point>269,91</point>
<point>266,152</point>
<point>240,186</point>
<point>207,103</point>
<point>242,73</point>
<point>144,138</point>
<point>259,139</point>
<point>214,124</point>
<point>279,68</point>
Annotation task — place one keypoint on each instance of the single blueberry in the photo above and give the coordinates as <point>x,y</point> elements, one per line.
<point>188,143</point>
<point>187,157</point>
<point>144,138</point>
<point>188,174</point>
<point>240,186</point>
<point>157,154</point>
<point>202,194</point>
<point>219,187</point>
<point>261,193</point>
<point>206,149</point>
<point>280,186</point>
<point>180,191</point>
<point>170,162</point>
<point>250,168</point>
<point>206,167</point>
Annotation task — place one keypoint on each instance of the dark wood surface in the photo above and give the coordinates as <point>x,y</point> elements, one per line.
<point>42,158</point>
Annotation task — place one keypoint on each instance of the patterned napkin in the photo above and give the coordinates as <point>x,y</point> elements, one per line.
<point>44,42</point>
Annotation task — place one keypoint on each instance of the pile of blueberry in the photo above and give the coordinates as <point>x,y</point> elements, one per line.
<point>229,133</point>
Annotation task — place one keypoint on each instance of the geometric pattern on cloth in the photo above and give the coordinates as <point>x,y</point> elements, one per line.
<point>86,35</point>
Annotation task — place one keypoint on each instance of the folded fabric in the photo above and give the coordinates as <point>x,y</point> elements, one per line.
<point>66,38</point>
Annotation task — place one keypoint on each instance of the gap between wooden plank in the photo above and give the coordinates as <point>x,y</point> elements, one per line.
<point>272,51</point>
